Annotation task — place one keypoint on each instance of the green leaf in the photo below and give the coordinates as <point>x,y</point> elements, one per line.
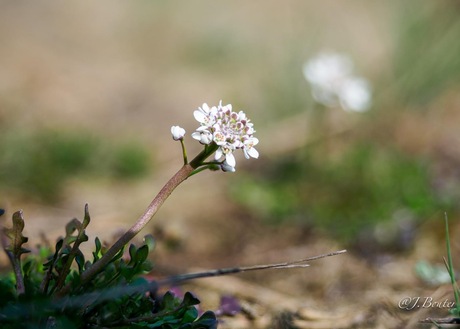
<point>71,227</point>
<point>15,249</point>
<point>169,302</point>
<point>149,240</point>
<point>98,244</point>
<point>50,265</point>
<point>431,274</point>
<point>190,315</point>
<point>87,217</point>
<point>80,259</point>
<point>87,265</point>
<point>59,245</point>
<point>15,235</point>
<point>71,239</point>
<point>140,281</point>
<point>146,267</point>
<point>450,267</point>
<point>190,300</point>
<point>207,320</point>
<point>132,252</point>
<point>118,255</point>
<point>69,253</point>
<point>142,254</point>
<point>97,253</point>
<point>27,266</point>
<point>7,291</point>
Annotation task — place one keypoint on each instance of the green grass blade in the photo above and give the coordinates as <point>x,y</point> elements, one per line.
<point>450,268</point>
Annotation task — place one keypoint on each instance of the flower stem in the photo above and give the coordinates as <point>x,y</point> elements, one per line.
<point>151,210</point>
<point>184,151</point>
<point>203,155</point>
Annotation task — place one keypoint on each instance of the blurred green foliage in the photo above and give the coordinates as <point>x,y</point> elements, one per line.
<point>366,185</point>
<point>130,161</point>
<point>38,164</point>
<point>426,59</point>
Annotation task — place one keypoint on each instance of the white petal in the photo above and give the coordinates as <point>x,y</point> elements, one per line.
<point>230,159</point>
<point>237,144</point>
<point>205,107</point>
<point>196,135</point>
<point>227,168</point>
<point>202,129</point>
<point>253,153</point>
<point>199,116</point>
<point>254,141</point>
<point>218,154</point>
<point>206,138</point>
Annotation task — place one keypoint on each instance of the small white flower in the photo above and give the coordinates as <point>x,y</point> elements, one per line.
<point>227,152</point>
<point>333,83</point>
<point>202,135</point>
<point>219,138</point>
<point>248,148</point>
<point>177,133</point>
<point>202,114</point>
<point>228,130</point>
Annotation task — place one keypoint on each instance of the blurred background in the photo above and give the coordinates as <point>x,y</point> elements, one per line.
<point>89,91</point>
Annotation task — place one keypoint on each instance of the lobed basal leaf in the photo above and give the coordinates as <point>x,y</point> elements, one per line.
<point>15,235</point>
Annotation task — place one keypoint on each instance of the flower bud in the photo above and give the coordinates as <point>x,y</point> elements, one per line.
<point>177,133</point>
<point>226,167</point>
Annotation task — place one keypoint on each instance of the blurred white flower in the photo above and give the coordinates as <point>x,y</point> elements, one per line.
<point>229,130</point>
<point>333,83</point>
<point>177,133</point>
<point>355,95</point>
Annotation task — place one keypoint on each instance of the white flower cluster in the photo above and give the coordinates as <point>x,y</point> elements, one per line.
<point>333,83</point>
<point>229,130</point>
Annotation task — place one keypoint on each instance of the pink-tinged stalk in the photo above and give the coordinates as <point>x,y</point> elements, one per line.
<point>151,210</point>
<point>143,220</point>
